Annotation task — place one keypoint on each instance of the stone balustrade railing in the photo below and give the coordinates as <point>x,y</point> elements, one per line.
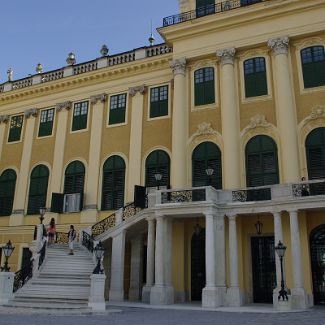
<point>103,62</point>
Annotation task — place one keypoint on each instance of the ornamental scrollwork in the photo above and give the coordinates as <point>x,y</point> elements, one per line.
<point>65,105</point>
<point>31,113</point>
<point>178,66</point>
<point>226,56</point>
<point>4,119</point>
<point>279,45</point>
<point>138,89</point>
<point>103,225</point>
<point>98,98</point>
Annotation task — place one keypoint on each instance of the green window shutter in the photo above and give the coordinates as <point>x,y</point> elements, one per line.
<point>157,162</point>
<point>158,101</point>
<point>16,124</point>
<point>154,109</point>
<point>46,122</point>
<point>57,202</point>
<point>199,94</point>
<point>260,84</point>
<point>7,191</point>
<point>255,77</point>
<point>209,92</point>
<point>80,116</point>
<point>117,109</point>
<point>204,88</point>
<point>74,178</point>
<point>113,183</point>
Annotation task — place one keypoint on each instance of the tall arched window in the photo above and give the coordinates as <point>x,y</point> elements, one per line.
<point>7,191</point>
<point>315,153</point>
<point>157,162</point>
<point>313,66</point>
<point>261,161</point>
<point>74,178</point>
<point>113,183</point>
<point>255,77</point>
<point>204,86</point>
<point>206,156</point>
<point>37,189</point>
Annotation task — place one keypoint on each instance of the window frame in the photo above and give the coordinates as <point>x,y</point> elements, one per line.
<point>204,83</point>
<point>109,109</point>
<point>15,187</point>
<point>39,123</point>
<point>72,116</point>
<point>21,129</point>
<point>169,89</point>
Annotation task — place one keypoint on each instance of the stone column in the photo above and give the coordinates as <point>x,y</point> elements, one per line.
<point>230,119</point>
<point>89,214</point>
<point>285,109</point>
<point>62,110</point>
<point>298,293</point>
<point>233,292</point>
<point>134,167</point>
<point>3,121</point>
<point>21,193</point>
<point>150,261</point>
<point>179,125</point>
<point>160,293</point>
<point>116,291</point>
<point>136,269</point>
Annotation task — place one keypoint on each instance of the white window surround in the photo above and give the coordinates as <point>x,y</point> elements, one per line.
<point>126,109</point>
<point>72,114</point>
<point>39,123</point>
<point>22,129</point>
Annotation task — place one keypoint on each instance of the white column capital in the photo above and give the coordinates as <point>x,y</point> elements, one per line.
<point>210,212</point>
<point>279,45</point>
<point>178,66</point>
<point>137,89</point>
<point>226,56</point>
<point>232,217</point>
<point>98,98</point>
<point>32,112</point>
<point>65,105</point>
<point>4,119</point>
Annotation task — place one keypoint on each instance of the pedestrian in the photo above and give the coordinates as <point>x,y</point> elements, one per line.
<point>72,237</point>
<point>51,232</point>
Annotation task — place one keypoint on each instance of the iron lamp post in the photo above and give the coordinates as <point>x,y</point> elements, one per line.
<point>7,251</point>
<point>99,251</point>
<point>158,178</point>
<point>280,250</point>
<point>258,226</point>
<point>42,212</point>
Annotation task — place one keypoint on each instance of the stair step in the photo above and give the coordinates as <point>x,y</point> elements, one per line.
<point>50,305</point>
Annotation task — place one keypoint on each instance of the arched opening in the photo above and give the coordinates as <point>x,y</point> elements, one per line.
<point>7,191</point>
<point>317,253</point>
<point>261,161</point>
<point>37,189</point>
<point>206,156</point>
<point>113,183</point>
<point>198,277</point>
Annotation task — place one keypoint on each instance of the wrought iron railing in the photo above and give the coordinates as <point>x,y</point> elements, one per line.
<point>23,275</point>
<point>63,237</point>
<point>192,195</point>
<point>129,211</point>
<point>103,225</point>
<point>309,188</point>
<point>87,241</point>
<point>252,194</point>
<point>226,5</point>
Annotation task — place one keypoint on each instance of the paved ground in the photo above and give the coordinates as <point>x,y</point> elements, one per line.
<point>139,316</point>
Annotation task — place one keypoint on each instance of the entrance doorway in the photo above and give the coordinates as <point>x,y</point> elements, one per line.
<point>197,265</point>
<point>263,267</point>
<point>317,253</point>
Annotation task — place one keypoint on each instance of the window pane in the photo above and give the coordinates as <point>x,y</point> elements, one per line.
<point>117,109</point>
<point>204,86</point>
<point>158,101</point>
<point>16,124</point>
<point>255,77</point>
<point>46,122</point>
<point>80,114</point>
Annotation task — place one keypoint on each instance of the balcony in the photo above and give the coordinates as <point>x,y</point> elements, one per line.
<point>208,10</point>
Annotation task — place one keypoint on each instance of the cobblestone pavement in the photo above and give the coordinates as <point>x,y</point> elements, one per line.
<point>139,316</point>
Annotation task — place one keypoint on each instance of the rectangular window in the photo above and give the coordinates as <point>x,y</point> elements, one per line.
<point>158,101</point>
<point>255,77</point>
<point>80,115</point>
<point>16,125</point>
<point>117,109</point>
<point>46,122</point>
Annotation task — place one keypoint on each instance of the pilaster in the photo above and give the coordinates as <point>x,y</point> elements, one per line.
<point>136,269</point>
<point>3,121</point>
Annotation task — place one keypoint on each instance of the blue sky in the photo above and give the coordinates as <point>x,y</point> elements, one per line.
<point>46,31</point>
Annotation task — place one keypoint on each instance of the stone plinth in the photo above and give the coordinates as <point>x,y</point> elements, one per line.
<point>6,287</point>
<point>97,287</point>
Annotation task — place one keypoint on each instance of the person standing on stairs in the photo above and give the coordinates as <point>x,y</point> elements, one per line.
<point>72,237</point>
<point>51,231</point>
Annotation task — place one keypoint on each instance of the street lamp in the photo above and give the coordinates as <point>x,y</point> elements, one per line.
<point>280,250</point>
<point>258,226</point>
<point>209,171</point>
<point>158,178</point>
<point>7,251</point>
<point>99,251</point>
<point>42,211</point>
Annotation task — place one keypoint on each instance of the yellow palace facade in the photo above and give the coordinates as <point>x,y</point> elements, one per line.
<point>224,124</point>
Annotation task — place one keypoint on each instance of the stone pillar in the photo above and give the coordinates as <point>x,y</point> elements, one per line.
<point>136,269</point>
<point>234,297</point>
<point>3,121</point>
<point>285,109</point>
<point>62,110</point>
<point>17,216</point>
<point>97,287</point>
<point>6,287</point>
<point>211,296</point>
<point>134,167</point>
<point>89,214</point>
<point>230,119</point>
<point>179,125</point>
<point>161,293</point>
<point>298,293</point>
<point>116,292</point>
<point>150,261</point>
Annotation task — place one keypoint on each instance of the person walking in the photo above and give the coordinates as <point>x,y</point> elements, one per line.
<point>72,236</point>
<point>51,232</point>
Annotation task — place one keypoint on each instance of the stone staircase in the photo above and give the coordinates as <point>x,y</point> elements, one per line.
<point>63,281</point>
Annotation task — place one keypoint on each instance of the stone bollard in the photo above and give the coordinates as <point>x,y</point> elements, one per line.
<point>97,288</point>
<point>6,287</point>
